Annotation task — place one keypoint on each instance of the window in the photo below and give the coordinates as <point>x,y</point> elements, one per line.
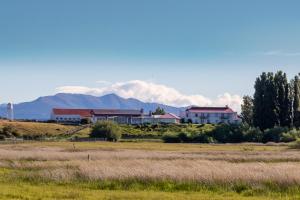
<point>196,115</point>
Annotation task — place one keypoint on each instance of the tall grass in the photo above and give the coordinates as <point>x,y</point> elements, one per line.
<point>115,166</point>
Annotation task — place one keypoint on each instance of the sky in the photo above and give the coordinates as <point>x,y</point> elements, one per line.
<point>204,52</point>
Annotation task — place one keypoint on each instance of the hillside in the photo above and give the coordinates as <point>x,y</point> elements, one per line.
<point>35,128</point>
<point>40,108</point>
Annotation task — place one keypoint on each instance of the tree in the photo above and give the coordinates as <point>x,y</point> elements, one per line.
<point>106,129</point>
<point>247,110</point>
<point>264,105</point>
<point>283,101</point>
<point>296,101</point>
<point>258,107</point>
<point>159,111</point>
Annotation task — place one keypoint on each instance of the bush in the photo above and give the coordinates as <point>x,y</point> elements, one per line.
<point>9,131</point>
<point>2,137</point>
<point>85,121</point>
<point>227,133</point>
<point>290,136</point>
<point>273,134</point>
<point>184,137</point>
<point>107,130</point>
<point>253,134</point>
<point>171,138</point>
<point>202,138</point>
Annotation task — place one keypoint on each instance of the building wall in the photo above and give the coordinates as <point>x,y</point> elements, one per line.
<point>135,120</point>
<point>117,119</point>
<point>212,118</point>
<point>66,118</point>
<point>154,120</point>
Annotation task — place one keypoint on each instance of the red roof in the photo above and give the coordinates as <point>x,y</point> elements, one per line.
<point>81,112</point>
<point>225,109</point>
<point>168,116</point>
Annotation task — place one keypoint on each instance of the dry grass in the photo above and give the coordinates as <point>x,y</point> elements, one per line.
<point>35,128</point>
<point>63,163</point>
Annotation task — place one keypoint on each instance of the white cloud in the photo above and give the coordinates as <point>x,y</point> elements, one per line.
<point>152,92</point>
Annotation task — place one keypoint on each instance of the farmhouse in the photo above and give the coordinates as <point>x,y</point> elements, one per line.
<point>212,115</point>
<point>70,115</point>
<point>120,116</point>
<point>168,118</point>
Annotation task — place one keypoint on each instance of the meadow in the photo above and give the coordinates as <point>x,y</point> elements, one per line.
<point>148,170</point>
<point>33,129</point>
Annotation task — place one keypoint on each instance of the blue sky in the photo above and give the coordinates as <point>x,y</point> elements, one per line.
<point>197,47</point>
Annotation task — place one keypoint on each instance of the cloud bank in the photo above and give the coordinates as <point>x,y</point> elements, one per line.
<point>152,92</point>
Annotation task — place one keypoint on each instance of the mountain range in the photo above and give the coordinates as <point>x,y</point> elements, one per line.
<point>40,109</point>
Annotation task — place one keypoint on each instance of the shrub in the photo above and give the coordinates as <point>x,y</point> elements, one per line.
<point>273,134</point>
<point>10,131</point>
<point>203,138</point>
<point>107,130</point>
<point>85,121</point>
<point>253,134</point>
<point>171,138</point>
<point>184,137</point>
<point>290,136</point>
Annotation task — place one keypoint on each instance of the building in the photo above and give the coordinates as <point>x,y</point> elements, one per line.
<point>120,116</point>
<point>10,111</point>
<point>70,115</point>
<point>168,118</point>
<point>210,115</point>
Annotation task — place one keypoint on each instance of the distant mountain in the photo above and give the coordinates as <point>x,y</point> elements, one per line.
<point>40,108</point>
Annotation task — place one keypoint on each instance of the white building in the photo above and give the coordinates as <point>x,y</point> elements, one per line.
<point>70,115</point>
<point>10,111</point>
<point>168,118</point>
<point>210,115</point>
<point>120,116</point>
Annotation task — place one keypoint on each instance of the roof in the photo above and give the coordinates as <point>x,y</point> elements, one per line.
<point>81,112</point>
<point>225,109</point>
<point>116,112</point>
<point>167,116</point>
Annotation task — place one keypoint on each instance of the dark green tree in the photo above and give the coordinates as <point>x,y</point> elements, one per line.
<point>258,107</point>
<point>296,101</point>
<point>159,111</point>
<point>106,129</point>
<point>247,110</point>
<point>283,101</point>
<point>264,104</point>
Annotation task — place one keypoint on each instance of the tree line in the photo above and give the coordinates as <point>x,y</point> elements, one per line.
<point>275,103</point>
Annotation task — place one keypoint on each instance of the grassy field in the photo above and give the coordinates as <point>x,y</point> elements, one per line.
<point>144,170</point>
<point>38,129</point>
